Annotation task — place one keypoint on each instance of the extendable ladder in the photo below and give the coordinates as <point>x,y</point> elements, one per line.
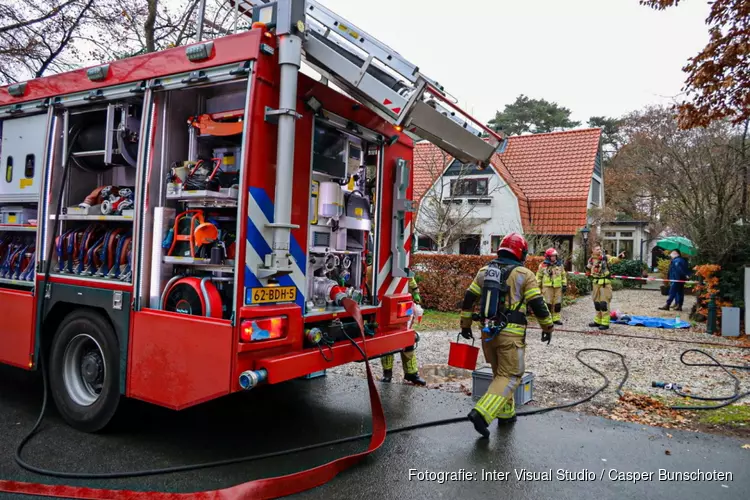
<point>384,81</point>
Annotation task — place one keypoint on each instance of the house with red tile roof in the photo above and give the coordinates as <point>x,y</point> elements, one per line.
<point>544,185</point>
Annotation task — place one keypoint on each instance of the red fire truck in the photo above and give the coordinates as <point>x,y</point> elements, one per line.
<point>185,224</point>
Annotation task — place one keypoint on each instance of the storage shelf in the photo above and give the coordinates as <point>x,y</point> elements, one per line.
<point>6,281</point>
<point>86,278</point>
<point>108,218</point>
<point>17,227</point>
<point>204,198</point>
<point>227,267</point>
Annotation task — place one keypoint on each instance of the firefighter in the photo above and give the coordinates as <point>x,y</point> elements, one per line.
<point>513,288</point>
<point>553,279</point>
<point>408,356</point>
<point>599,271</point>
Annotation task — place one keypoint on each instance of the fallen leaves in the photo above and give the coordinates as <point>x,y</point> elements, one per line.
<point>642,409</point>
<point>746,446</point>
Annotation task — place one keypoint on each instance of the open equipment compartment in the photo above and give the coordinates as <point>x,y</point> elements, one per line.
<point>343,208</point>
<point>99,140</point>
<point>193,184</point>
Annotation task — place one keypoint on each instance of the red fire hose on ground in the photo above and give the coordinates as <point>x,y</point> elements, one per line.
<point>308,479</point>
<point>293,483</point>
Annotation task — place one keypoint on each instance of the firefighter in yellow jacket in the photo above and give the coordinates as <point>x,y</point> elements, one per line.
<point>408,356</point>
<point>553,279</point>
<point>505,289</point>
<point>599,270</point>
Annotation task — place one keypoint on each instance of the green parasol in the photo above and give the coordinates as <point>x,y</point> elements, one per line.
<point>683,245</point>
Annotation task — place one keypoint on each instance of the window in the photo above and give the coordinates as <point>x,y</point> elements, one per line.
<point>426,244</point>
<point>470,245</point>
<point>610,246</point>
<point>616,242</point>
<point>9,170</point>
<point>495,242</point>
<point>598,164</point>
<point>596,190</point>
<point>627,247</point>
<point>469,187</point>
<point>28,170</point>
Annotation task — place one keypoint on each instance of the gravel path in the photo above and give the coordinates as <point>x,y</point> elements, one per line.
<point>560,378</point>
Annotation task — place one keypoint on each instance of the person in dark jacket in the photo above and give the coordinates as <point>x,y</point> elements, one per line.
<point>678,270</point>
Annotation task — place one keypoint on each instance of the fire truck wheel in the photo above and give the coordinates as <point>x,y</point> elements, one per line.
<point>84,370</point>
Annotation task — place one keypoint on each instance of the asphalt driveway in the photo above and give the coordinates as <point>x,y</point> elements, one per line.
<point>624,459</point>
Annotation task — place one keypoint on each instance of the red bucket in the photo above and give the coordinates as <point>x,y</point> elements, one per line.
<point>463,355</point>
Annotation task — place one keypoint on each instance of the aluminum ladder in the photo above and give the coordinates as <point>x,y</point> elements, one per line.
<point>384,81</point>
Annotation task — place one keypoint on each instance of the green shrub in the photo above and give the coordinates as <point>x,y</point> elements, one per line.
<point>618,284</point>
<point>582,284</point>
<point>630,267</point>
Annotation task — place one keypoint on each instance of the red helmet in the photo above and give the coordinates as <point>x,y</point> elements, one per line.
<point>550,252</point>
<point>516,245</point>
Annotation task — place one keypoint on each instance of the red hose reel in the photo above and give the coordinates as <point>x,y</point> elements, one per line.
<point>193,296</point>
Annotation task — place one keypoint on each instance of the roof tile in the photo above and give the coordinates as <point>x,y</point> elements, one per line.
<point>554,170</point>
<point>550,174</point>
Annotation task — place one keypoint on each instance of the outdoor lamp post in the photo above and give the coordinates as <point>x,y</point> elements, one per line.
<point>585,235</point>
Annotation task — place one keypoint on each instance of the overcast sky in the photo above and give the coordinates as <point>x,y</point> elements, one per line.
<point>596,57</point>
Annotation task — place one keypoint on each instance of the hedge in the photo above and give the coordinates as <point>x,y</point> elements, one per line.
<point>443,279</point>
<point>579,285</point>
<point>630,267</point>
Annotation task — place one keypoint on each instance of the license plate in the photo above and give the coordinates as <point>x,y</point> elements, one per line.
<point>273,294</point>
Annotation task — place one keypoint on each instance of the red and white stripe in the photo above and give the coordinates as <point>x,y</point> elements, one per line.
<point>635,278</point>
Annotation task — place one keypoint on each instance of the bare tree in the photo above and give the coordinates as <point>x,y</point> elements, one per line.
<point>444,216</point>
<point>38,37</point>
<point>695,174</point>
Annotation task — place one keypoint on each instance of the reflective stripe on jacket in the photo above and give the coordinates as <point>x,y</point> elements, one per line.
<point>599,270</point>
<point>523,288</point>
<point>551,275</point>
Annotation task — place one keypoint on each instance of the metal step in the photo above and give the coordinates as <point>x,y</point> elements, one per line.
<point>388,84</point>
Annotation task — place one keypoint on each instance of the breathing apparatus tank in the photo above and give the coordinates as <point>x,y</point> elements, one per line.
<point>493,288</point>
<point>492,302</point>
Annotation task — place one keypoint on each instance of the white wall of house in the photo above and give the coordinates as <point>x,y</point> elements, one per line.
<point>496,214</point>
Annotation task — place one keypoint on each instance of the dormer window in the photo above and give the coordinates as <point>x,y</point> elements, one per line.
<point>469,187</point>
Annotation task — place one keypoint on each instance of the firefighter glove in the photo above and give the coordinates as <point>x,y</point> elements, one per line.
<point>467,333</point>
<point>565,288</point>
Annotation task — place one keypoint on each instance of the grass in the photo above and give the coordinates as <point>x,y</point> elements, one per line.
<point>735,415</point>
<point>450,320</point>
<point>439,320</point>
<point>732,415</point>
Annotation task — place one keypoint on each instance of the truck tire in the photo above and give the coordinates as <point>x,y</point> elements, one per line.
<point>84,370</point>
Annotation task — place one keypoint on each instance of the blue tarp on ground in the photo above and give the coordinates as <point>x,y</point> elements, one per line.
<point>651,322</point>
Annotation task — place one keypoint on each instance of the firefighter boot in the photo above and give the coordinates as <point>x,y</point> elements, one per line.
<point>480,424</point>
<point>387,362</point>
<point>507,414</point>
<point>411,370</point>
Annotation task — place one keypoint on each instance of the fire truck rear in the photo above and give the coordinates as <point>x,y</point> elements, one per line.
<point>181,225</point>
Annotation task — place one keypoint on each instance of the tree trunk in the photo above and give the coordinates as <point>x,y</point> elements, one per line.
<point>150,25</point>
